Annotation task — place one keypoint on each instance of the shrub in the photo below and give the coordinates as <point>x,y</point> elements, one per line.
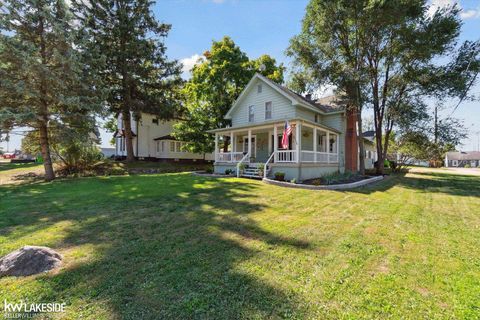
<point>294,181</point>
<point>229,171</point>
<point>209,170</point>
<point>260,168</point>
<point>280,176</point>
<point>242,166</point>
<point>468,165</point>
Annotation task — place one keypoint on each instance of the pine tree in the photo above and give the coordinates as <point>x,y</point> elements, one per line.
<point>43,78</point>
<point>137,73</point>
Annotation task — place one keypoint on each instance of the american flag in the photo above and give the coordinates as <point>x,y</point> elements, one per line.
<point>287,131</point>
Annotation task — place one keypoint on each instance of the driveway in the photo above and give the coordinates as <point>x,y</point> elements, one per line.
<point>463,171</point>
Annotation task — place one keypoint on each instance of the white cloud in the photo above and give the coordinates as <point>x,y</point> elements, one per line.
<point>188,64</point>
<point>464,13</point>
<point>470,14</point>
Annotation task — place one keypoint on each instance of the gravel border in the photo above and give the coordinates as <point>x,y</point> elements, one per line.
<point>344,186</point>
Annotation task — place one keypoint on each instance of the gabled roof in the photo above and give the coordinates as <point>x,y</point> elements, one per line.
<point>463,155</point>
<point>295,98</point>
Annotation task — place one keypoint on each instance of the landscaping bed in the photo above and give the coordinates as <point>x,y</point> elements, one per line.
<point>339,179</point>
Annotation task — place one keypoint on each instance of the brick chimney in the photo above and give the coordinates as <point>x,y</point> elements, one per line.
<point>351,142</point>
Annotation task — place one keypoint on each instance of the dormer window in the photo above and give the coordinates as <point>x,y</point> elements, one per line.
<point>251,114</point>
<point>259,88</point>
<point>268,110</point>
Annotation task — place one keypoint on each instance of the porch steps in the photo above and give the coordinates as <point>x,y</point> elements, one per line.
<point>252,173</point>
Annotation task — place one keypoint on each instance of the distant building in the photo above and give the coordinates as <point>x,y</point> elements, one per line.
<point>462,158</point>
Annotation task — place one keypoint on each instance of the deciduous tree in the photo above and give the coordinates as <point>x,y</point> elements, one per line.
<point>216,82</point>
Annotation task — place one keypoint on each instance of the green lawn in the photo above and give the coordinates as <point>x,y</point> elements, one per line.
<point>180,246</point>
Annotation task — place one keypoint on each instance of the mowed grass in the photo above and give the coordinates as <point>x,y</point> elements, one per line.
<point>186,247</point>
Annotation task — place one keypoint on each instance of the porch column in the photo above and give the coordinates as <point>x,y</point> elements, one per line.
<point>298,138</point>
<point>328,146</point>
<point>315,144</point>
<point>249,142</point>
<point>216,146</point>
<point>275,143</point>
<point>231,146</point>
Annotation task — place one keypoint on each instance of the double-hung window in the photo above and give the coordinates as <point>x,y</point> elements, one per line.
<point>251,114</point>
<point>268,110</point>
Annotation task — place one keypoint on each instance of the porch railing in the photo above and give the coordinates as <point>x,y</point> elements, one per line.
<point>286,156</point>
<point>318,157</point>
<point>229,156</point>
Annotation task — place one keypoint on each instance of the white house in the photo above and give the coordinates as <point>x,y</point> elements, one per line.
<point>323,139</point>
<point>152,139</point>
<point>462,159</point>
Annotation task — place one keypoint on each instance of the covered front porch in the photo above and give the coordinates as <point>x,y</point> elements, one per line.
<point>309,144</point>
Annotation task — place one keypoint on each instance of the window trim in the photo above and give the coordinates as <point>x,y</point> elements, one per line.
<point>271,110</point>
<point>251,112</point>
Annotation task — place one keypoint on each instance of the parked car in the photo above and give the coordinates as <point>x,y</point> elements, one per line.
<point>9,155</point>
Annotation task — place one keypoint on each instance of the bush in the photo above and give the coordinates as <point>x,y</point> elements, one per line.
<point>294,181</point>
<point>280,176</point>
<point>242,166</point>
<point>209,170</point>
<point>78,157</point>
<point>229,172</point>
<point>467,165</point>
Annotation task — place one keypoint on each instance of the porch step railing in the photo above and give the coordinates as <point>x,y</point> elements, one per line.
<point>245,159</point>
<point>266,168</point>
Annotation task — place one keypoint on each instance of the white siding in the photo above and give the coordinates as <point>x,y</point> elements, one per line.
<point>146,135</point>
<point>281,107</point>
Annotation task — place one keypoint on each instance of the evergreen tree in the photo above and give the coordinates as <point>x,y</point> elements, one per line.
<point>44,80</point>
<point>216,82</point>
<point>137,72</point>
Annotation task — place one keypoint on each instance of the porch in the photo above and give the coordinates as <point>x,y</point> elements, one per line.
<point>310,145</point>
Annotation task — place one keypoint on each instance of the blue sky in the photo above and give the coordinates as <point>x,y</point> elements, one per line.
<point>265,26</point>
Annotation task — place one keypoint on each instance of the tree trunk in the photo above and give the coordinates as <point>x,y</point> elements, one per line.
<point>43,111</point>
<point>361,145</point>
<point>45,148</point>
<point>378,140</point>
<point>127,125</point>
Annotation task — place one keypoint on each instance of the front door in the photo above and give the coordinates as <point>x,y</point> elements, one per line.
<point>254,146</point>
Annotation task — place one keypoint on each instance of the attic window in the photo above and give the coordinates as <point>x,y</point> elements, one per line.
<point>251,115</point>
<point>259,88</point>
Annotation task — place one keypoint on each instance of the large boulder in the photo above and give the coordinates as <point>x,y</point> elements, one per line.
<point>29,260</point>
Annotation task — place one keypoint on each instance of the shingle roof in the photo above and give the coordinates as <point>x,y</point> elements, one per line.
<point>463,155</point>
<point>167,137</point>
